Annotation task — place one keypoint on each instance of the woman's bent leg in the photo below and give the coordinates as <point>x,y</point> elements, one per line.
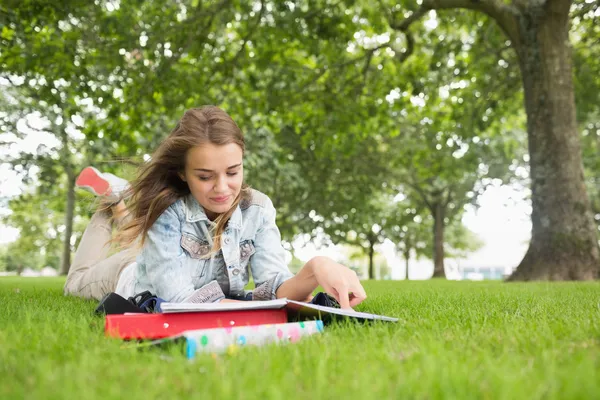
<point>101,278</point>
<point>93,273</point>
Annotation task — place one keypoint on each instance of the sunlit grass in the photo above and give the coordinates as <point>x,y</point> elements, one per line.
<point>453,340</point>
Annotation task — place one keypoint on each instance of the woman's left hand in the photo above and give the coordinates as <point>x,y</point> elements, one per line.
<point>339,281</point>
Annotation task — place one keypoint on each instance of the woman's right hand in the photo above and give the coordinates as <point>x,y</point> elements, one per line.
<point>339,281</point>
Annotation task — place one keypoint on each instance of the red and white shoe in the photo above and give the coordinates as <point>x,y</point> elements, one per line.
<point>102,184</point>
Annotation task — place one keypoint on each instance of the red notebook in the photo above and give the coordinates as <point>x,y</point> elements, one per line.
<point>158,326</point>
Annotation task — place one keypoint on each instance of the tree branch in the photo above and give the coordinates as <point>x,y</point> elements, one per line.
<point>246,38</point>
<point>367,56</point>
<point>448,197</point>
<point>505,15</point>
<point>585,8</point>
<point>410,47</point>
<point>421,193</point>
<point>28,125</point>
<point>365,69</point>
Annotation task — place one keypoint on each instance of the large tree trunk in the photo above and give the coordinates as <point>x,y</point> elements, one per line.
<point>438,240</point>
<point>66,254</point>
<point>563,244</point>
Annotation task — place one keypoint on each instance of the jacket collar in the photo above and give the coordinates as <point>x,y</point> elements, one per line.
<point>194,212</point>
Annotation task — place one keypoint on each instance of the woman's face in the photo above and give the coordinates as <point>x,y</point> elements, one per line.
<point>214,175</point>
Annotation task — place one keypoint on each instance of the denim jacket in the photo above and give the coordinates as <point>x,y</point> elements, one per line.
<point>175,262</point>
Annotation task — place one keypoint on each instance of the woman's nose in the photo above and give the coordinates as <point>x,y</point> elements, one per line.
<point>220,185</point>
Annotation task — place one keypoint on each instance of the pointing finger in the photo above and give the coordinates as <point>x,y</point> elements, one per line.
<point>343,298</point>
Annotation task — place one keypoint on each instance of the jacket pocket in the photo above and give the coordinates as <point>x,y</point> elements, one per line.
<point>198,252</point>
<point>246,251</point>
<point>195,247</point>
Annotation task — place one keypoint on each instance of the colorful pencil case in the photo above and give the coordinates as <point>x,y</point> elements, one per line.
<point>219,340</point>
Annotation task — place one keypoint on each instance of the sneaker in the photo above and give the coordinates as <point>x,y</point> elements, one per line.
<point>102,184</point>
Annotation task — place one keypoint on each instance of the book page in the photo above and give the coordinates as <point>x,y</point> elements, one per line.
<point>308,309</point>
<point>237,306</point>
<point>302,310</point>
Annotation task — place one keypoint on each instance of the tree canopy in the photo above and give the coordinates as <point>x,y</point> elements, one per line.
<point>345,105</point>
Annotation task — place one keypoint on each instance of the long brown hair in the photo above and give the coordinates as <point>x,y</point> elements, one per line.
<point>158,184</point>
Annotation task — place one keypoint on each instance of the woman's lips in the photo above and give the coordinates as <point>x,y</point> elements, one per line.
<point>221,199</point>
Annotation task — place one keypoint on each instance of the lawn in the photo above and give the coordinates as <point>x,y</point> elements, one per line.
<point>453,340</point>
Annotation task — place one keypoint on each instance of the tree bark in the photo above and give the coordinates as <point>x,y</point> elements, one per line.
<point>563,243</point>
<point>69,214</point>
<point>371,257</point>
<point>439,212</point>
<point>407,259</point>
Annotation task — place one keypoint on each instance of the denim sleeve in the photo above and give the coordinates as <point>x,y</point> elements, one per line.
<point>269,269</point>
<point>163,258</point>
<point>209,293</point>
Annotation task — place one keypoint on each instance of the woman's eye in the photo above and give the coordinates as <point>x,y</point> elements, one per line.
<point>204,178</point>
<point>232,173</point>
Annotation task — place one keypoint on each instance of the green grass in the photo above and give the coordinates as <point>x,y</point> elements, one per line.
<point>454,340</point>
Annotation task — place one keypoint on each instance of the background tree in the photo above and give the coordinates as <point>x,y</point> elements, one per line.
<point>564,242</point>
<point>409,227</point>
<point>361,228</point>
<point>55,57</point>
<point>39,215</point>
<point>327,92</point>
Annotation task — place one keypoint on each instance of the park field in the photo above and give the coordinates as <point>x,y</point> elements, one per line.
<point>463,340</point>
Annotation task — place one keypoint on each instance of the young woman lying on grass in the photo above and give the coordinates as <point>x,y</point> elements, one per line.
<point>192,227</point>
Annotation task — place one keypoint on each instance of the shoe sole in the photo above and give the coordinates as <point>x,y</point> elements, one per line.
<point>89,179</point>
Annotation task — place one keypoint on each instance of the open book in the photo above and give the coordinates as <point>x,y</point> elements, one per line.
<point>296,310</point>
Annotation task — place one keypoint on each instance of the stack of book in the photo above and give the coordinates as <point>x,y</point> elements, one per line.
<point>216,327</point>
